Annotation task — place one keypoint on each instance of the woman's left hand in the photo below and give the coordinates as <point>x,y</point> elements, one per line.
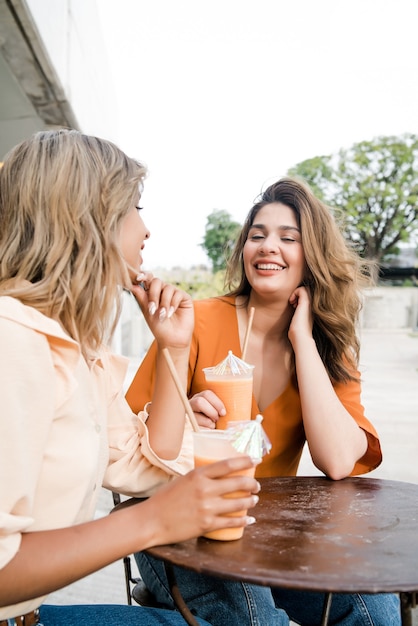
<point>168,311</point>
<point>302,320</point>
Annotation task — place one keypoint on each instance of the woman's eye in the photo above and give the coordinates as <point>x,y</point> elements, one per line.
<point>256,237</point>
<point>288,239</point>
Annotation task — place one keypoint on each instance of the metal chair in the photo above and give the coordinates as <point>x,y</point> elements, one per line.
<point>135,586</point>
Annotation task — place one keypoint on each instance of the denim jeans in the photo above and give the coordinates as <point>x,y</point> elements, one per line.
<point>239,604</point>
<point>109,615</point>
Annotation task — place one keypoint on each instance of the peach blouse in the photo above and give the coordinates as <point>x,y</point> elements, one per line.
<point>65,430</point>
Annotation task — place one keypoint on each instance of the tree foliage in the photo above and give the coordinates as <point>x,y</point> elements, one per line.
<point>375,185</point>
<point>198,281</point>
<point>220,235</point>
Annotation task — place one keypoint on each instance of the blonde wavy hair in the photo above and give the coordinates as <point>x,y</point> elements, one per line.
<point>63,195</point>
<point>334,275</point>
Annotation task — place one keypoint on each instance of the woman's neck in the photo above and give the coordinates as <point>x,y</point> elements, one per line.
<point>271,319</point>
<point>268,348</point>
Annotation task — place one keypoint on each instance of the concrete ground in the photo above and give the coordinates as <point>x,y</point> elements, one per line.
<point>389,365</point>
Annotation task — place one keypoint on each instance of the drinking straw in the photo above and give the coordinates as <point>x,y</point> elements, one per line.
<point>247,332</point>
<point>181,391</point>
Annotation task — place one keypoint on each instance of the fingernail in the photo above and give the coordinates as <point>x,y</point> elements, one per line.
<point>163,314</point>
<point>140,277</point>
<point>255,500</point>
<point>170,312</point>
<point>250,520</point>
<point>152,307</point>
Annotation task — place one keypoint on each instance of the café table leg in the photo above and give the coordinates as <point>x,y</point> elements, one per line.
<point>327,609</point>
<point>177,597</point>
<point>408,602</point>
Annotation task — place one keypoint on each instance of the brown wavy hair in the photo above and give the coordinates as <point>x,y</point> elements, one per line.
<point>335,274</point>
<point>63,195</point>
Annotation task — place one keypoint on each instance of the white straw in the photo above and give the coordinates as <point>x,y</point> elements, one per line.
<point>247,332</point>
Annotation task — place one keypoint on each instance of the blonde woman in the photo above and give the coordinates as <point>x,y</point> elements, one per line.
<point>292,264</point>
<point>71,239</point>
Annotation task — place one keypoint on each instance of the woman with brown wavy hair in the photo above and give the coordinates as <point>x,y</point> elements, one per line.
<point>292,264</point>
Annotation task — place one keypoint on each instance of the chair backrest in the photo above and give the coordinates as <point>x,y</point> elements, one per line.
<point>134,585</point>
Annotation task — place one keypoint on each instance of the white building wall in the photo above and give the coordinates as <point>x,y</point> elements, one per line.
<point>72,36</point>
<point>390,308</point>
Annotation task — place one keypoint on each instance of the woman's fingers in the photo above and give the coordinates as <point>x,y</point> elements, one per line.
<point>144,279</point>
<point>302,321</point>
<point>207,408</point>
<point>224,494</point>
<point>205,422</point>
<point>221,470</point>
<point>203,500</point>
<point>157,298</point>
<point>168,312</point>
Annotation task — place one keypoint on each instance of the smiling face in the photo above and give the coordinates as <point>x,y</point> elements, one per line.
<point>133,234</point>
<point>273,254</point>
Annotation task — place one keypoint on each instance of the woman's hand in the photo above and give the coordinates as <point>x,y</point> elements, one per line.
<point>195,504</point>
<point>302,321</point>
<point>207,407</point>
<point>167,310</point>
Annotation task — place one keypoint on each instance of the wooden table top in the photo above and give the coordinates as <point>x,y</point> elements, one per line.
<point>312,533</point>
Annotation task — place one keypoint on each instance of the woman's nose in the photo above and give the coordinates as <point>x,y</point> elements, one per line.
<point>270,245</point>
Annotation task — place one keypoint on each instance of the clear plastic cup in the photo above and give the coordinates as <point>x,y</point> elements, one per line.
<point>211,446</point>
<point>232,381</point>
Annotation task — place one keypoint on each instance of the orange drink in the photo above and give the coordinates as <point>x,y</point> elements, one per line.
<point>211,446</point>
<point>234,389</point>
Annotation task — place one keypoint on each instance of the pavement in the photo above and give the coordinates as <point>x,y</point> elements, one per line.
<point>389,366</point>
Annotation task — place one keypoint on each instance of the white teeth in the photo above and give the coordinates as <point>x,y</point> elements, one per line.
<point>269,266</point>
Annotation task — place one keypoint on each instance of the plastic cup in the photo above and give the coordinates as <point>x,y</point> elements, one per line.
<point>235,391</point>
<point>211,446</point>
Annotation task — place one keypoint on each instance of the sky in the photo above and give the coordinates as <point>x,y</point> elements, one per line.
<point>221,97</point>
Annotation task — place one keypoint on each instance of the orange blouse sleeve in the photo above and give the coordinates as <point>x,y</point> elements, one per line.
<point>349,395</point>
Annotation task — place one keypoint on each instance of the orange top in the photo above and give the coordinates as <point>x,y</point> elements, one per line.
<point>216,332</point>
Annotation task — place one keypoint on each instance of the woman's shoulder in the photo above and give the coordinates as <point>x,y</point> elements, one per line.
<point>214,304</point>
<point>26,331</point>
<point>213,314</point>
<point>27,317</point>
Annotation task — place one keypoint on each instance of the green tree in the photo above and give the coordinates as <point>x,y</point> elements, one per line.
<point>199,282</point>
<point>220,235</point>
<point>375,185</point>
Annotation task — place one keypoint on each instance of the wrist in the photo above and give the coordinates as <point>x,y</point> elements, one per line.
<point>305,343</point>
<point>176,352</point>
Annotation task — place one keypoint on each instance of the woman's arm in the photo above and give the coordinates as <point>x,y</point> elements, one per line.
<point>168,312</point>
<point>335,440</point>
<point>187,507</point>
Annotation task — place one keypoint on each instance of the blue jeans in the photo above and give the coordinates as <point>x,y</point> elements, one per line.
<point>109,615</point>
<point>239,604</point>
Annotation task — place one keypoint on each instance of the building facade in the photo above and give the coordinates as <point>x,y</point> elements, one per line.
<point>54,70</point>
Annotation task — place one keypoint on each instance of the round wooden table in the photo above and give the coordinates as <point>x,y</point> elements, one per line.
<point>314,534</point>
